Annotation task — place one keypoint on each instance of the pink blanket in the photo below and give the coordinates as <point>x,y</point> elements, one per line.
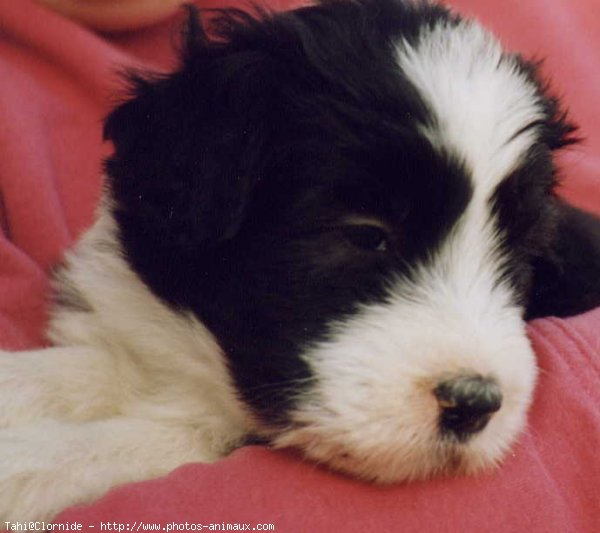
<point>56,78</point>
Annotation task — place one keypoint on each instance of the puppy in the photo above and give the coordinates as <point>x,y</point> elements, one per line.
<point>325,230</point>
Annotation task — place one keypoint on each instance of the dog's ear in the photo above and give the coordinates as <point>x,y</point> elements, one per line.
<point>187,145</point>
<point>566,279</point>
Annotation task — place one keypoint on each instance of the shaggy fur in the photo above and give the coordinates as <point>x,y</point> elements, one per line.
<point>323,231</point>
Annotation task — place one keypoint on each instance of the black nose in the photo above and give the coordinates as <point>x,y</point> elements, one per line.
<point>467,404</point>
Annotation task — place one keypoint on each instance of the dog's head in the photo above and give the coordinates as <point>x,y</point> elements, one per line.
<point>354,198</point>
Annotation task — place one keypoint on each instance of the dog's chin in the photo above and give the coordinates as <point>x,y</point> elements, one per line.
<point>448,461</point>
<point>392,466</point>
<point>411,457</point>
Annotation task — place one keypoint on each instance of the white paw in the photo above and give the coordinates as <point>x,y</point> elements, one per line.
<point>36,479</point>
<point>49,465</point>
<point>33,496</point>
<point>16,390</point>
<point>70,383</point>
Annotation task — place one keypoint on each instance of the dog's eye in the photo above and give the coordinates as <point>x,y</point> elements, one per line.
<point>367,237</point>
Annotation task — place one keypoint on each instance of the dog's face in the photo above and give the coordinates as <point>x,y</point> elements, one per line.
<point>352,198</point>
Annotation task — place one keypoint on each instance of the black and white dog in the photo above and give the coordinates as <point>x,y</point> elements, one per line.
<point>324,231</point>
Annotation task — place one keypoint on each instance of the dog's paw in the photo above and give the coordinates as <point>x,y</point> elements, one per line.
<point>67,383</point>
<point>30,497</point>
<point>26,395</point>
<point>50,465</point>
<point>38,477</point>
<point>16,390</point>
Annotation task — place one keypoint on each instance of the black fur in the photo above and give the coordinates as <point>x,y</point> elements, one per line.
<point>234,180</point>
<point>566,280</point>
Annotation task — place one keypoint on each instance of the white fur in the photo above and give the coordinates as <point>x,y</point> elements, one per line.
<point>478,95</point>
<point>135,390</point>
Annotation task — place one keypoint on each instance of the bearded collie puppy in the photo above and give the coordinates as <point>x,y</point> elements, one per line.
<point>324,231</point>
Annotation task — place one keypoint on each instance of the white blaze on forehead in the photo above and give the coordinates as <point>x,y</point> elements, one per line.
<point>481,104</point>
<point>479,98</point>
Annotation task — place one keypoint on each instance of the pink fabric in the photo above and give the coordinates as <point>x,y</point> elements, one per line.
<point>56,81</point>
